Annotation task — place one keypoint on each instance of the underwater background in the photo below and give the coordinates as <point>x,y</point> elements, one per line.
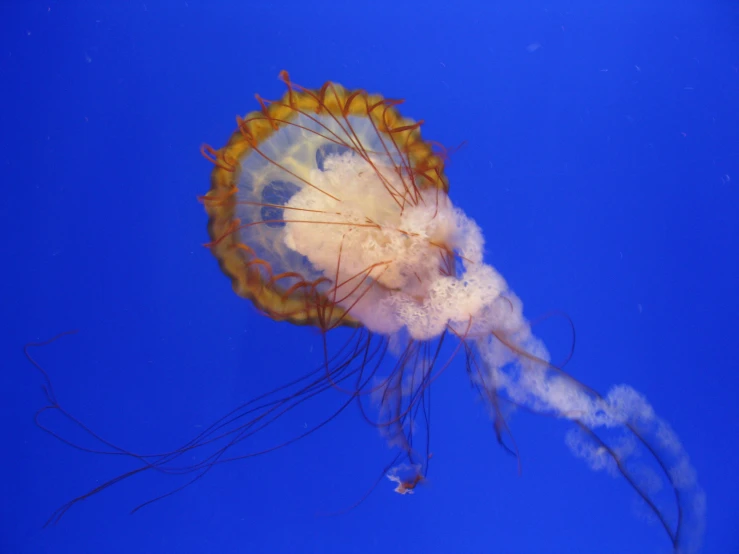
<point>600,157</point>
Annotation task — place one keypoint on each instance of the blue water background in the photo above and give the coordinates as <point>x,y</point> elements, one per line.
<point>601,160</point>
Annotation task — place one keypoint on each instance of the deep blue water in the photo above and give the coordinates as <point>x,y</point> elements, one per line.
<point>601,160</point>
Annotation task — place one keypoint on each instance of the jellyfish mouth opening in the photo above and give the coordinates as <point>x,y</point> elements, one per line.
<point>394,264</point>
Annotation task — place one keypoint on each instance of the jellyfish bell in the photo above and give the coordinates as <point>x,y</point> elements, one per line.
<point>332,136</point>
<point>328,209</point>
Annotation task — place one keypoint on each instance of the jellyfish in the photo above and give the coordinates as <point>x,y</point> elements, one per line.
<point>328,209</point>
